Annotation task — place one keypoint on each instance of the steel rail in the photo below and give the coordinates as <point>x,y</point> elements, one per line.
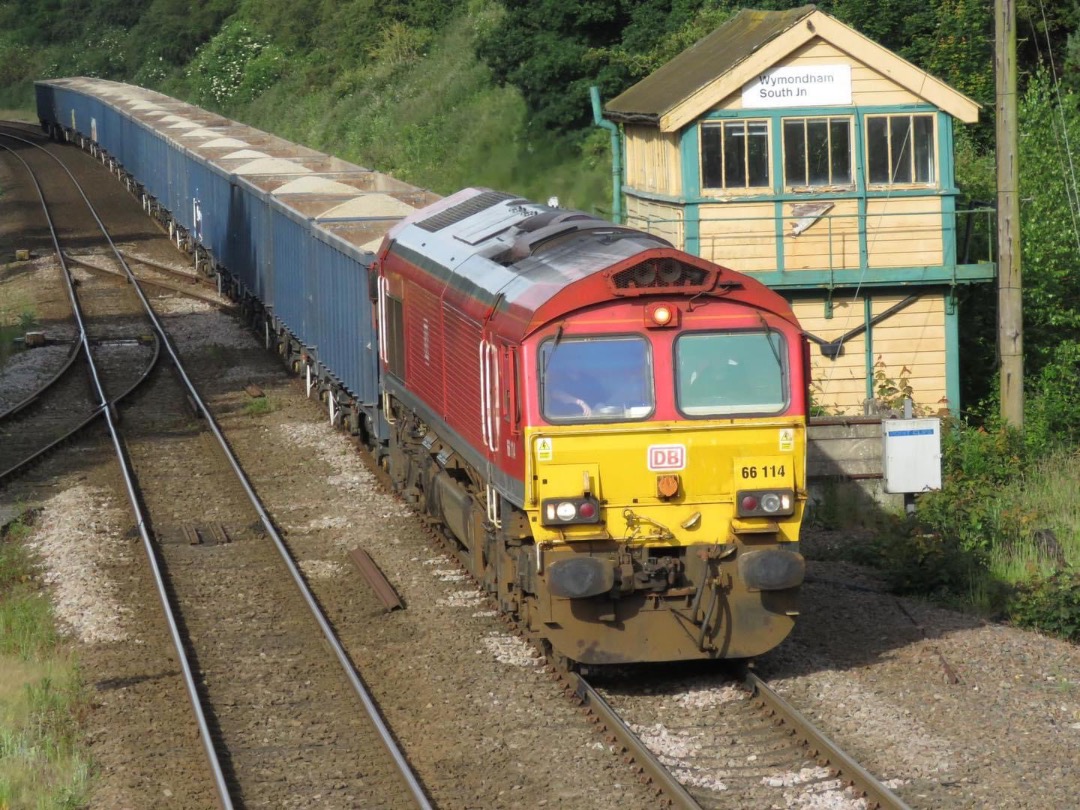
<point>368,702</point>
<point>646,759</point>
<point>129,484</point>
<point>76,349</point>
<point>80,345</point>
<point>875,793</point>
<point>149,282</point>
<point>76,346</point>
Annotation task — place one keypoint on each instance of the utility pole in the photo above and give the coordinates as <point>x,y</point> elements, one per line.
<point>1010,299</point>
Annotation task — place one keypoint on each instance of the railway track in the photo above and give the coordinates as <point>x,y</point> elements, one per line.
<point>63,404</point>
<point>276,717</point>
<point>730,744</point>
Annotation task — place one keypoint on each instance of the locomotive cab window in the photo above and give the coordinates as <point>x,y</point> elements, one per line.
<point>722,373</point>
<point>596,379</point>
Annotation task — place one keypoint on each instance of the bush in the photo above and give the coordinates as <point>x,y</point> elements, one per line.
<point>1049,604</point>
<point>976,464</point>
<point>236,66</point>
<point>927,563</point>
<point>1053,415</point>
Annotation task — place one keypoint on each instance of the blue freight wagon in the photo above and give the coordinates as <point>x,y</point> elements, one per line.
<point>290,232</point>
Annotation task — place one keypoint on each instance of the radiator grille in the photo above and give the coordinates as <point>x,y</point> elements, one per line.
<point>660,274</point>
<point>463,210</point>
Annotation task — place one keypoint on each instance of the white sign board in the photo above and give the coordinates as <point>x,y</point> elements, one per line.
<point>912,454</point>
<point>799,86</point>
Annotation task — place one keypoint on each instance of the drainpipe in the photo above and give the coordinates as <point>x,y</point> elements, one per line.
<point>616,155</point>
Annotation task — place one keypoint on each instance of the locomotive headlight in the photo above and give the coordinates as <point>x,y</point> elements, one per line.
<point>770,502</point>
<point>565,511</point>
<point>661,316</point>
<point>765,502</point>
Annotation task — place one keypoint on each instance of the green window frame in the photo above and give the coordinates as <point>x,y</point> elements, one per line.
<point>817,152</point>
<point>735,155</point>
<point>900,150</point>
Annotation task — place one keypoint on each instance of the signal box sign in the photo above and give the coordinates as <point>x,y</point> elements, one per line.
<point>667,457</point>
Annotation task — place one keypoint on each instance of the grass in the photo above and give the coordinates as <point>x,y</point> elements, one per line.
<point>23,114</point>
<point>1043,504</point>
<point>258,406</point>
<point>41,693</point>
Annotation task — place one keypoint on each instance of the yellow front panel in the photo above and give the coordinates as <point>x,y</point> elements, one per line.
<point>621,466</point>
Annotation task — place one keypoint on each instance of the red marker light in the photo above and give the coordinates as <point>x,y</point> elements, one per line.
<point>587,511</point>
<point>749,503</point>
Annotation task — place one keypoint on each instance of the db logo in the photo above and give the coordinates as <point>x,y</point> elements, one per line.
<point>667,457</point>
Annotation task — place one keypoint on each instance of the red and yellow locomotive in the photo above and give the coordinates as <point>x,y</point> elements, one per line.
<point>613,430</point>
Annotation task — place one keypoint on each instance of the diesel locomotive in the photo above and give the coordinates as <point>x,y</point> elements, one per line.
<point>612,431</point>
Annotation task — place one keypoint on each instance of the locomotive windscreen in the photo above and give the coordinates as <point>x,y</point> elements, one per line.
<point>598,378</point>
<point>719,373</point>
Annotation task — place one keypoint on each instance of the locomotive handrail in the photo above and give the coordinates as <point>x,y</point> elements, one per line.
<point>483,395</point>
<point>487,424</point>
<point>381,325</point>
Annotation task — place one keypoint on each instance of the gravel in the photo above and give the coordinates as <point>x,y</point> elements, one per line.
<point>77,534</point>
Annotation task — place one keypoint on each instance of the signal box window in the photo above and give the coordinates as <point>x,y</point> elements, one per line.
<point>734,155</point>
<point>900,149</point>
<point>817,152</point>
<point>596,379</point>
<point>723,373</point>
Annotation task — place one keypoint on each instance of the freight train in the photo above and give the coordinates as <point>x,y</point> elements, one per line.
<point>612,431</point>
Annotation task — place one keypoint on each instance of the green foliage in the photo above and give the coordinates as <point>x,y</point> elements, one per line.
<point>1052,415</point>
<point>553,50</point>
<point>927,563</point>
<point>1050,219</point>
<point>42,702</point>
<point>26,628</point>
<point>639,56</point>
<point>953,40</point>
<point>890,392</point>
<point>434,120</point>
<point>976,464</point>
<point>397,44</point>
<point>235,66</point>
<point>1049,604</point>
<point>41,764</point>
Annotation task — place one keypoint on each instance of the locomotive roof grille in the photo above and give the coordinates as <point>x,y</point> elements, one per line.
<point>463,210</point>
<point>657,275</point>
